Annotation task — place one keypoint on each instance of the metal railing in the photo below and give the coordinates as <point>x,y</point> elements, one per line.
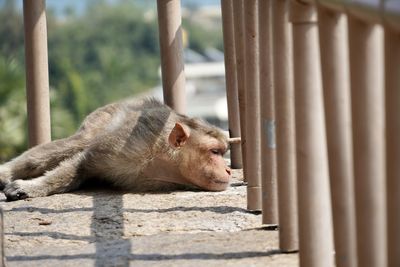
<point>329,77</point>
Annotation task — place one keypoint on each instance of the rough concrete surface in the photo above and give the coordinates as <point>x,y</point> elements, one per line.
<point>98,227</point>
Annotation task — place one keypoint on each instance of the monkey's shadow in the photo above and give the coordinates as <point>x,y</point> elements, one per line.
<point>108,227</point>
<point>113,225</point>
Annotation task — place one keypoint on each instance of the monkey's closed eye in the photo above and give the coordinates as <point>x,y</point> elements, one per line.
<point>216,152</point>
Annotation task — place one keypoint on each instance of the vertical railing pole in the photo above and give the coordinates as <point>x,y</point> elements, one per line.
<point>240,75</point>
<point>366,68</point>
<point>2,252</point>
<point>392,71</point>
<point>336,83</point>
<point>253,130</point>
<point>37,72</point>
<point>285,127</point>
<point>315,218</point>
<point>171,50</point>
<point>267,113</point>
<point>231,81</point>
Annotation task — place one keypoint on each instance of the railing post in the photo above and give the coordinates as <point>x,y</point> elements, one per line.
<point>171,50</point>
<point>392,71</point>
<point>2,252</point>
<point>315,218</point>
<point>231,81</point>
<point>240,75</point>
<point>285,127</point>
<point>267,113</point>
<point>253,130</point>
<point>366,68</point>
<point>336,83</point>
<point>37,72</point>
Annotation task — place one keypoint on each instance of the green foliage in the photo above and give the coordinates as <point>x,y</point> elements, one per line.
<point>107,53</point>
<point>202,38</point>
<point>11,32</point>
<point>11,77</point>
<point>12,109</point>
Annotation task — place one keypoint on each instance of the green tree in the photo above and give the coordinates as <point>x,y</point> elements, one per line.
<point>12,109</point>
<point>108,53</point>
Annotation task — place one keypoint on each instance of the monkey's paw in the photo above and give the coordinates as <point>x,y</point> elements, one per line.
<point>4,177</point>
<point>15,191</point>
<point>3,183</point>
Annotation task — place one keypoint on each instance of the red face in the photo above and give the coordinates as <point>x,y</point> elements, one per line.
<point>203,164</point>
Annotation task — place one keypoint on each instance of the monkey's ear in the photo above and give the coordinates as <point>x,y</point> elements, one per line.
<point>179,134</point>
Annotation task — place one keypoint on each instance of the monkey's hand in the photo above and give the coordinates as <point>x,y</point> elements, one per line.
<point>61,179</point>
<point>21,189</point>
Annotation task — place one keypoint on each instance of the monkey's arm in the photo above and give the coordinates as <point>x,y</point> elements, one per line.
<point>37,160</point>
<point>63,178</point>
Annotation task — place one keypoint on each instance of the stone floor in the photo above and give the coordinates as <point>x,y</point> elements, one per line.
<point>99,227</point>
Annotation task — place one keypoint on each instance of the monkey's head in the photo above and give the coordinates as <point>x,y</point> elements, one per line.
<point>200,148</point>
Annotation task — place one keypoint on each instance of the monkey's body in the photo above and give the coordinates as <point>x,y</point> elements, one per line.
<point>134,145</point>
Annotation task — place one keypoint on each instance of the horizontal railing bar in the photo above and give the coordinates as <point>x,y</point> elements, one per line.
<point>337,5</point>
<point>391,11</point>
<point>374,11</point>
<point>366,10</point>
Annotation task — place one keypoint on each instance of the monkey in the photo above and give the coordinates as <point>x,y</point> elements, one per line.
<point>138,145</point>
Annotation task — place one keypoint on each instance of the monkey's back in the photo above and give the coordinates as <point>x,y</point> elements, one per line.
<point>123,137</point>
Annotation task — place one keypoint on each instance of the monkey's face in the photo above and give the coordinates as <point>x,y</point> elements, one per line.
<point>203,163</point>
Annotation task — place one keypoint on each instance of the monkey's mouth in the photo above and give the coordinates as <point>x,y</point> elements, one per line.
<point>218,185</point>
<point>216,181</point>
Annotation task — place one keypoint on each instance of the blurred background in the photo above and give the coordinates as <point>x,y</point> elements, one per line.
<point>103,51</point>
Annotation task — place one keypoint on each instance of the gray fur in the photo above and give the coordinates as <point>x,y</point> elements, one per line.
<point>119,143</point>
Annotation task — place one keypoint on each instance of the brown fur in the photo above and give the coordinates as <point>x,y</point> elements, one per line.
<point>136,145</point>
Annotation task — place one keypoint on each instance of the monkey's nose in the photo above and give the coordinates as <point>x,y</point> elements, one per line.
<point>228,171</point>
